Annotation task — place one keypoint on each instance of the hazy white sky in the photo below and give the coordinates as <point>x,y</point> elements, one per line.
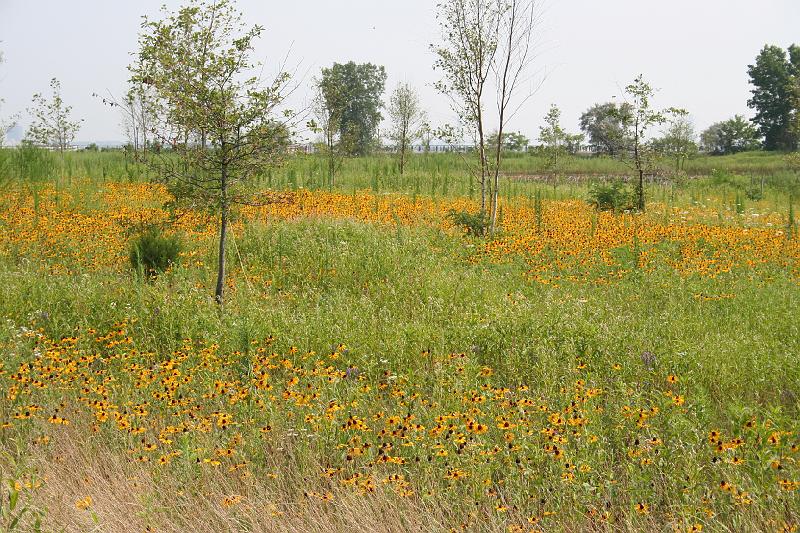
<point>695,51</point>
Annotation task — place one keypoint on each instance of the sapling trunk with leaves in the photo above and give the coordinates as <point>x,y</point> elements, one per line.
<point>219,125</point>
<point>408,120</point>
<point>678,140</point>
<point>138,115</point>
<point>51,125</point>
<point>328,107</point>
<point>637,118</point>
<point>556,142</point>
<point>469,30</point>
<point>480,38</point>
<point>517,22</point>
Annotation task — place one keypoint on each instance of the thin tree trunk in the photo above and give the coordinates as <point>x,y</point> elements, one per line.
<point>402,155</point>
<point>219,293</point>
<point>482,154</point>
<point>641,190</point>
<point>331,156</point>
<point>639,164</point>
<point>331,167</point>
<point>496,184</point>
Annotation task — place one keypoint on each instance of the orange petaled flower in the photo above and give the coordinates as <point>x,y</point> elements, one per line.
<point>84,503</point>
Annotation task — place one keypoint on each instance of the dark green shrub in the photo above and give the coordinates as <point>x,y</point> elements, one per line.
<point>613,196</point>
<point>475,224</point>
<point>755,193</point>
<point>153,252</point>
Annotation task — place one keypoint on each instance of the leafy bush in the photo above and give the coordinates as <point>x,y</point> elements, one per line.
<point>476,224</point>
<point>153,252</point>
<point>754,193</point>
<point>614,196</point>
<point>793,161</point>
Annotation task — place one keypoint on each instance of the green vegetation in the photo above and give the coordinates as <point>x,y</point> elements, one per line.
<point>386,305</point>
<point>503,339</point>
<point>152,252</point>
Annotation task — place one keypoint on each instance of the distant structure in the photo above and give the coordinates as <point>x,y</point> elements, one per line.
<point>589,149</point>
<point>311,148</point>
<point>308,148</point>
<point>70,148</point>
<point>442,148</point>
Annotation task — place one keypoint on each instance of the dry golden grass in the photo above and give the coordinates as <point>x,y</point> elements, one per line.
<point>125,496</point>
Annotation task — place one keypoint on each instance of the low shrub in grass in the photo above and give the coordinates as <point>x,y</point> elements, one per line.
<point>755,193</point>
<point>152,252</point>
<point>613,196</point>
<point>475,224</point>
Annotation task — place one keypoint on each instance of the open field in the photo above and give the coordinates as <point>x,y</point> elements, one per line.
<point>431,174</point>
<point>376,369</point>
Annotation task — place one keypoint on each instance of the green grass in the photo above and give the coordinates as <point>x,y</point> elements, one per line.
<point>391,295</point>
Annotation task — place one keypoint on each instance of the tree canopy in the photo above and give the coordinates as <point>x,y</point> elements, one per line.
<point>407,120</point>
<point>730,136</point>
<point>677,141</point>
<point>602,124</point>
<point>556,141</point>
<point>354,94</point>
<point>52,125</point>
<point>637,116</point>
<point>775,76</point>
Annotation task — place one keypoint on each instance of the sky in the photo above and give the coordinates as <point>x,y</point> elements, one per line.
<point>695,52</point>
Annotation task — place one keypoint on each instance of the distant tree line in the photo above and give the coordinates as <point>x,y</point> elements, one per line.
<point>349,103</point>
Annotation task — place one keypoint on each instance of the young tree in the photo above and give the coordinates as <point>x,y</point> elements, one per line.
<point>677,141</point>
<point>427,133</point>
<point>328,106</point>
<point>730,137</point>
<point>354,93</point>
<point>469,30</point>
<point>51,124</point>
<point>557,143</point>
<point>139,115</point>
<point>773,76</point>
<point>640,154</point>
<point>408,119</point>
<point>220,124</point>
<point>518,20</point>
<point>482,37</point>
<point>603,126</point>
